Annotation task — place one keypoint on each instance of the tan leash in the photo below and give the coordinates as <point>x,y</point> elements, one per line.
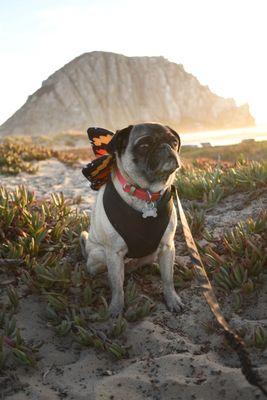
<point>232,338</point>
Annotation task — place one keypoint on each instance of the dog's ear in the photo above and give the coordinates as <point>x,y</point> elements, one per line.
<point>119,141</point>
<point>176,135</point>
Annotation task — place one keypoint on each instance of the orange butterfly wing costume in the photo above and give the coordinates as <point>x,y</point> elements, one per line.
<point>98,171</point>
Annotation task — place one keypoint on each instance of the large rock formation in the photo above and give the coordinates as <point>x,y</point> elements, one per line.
<point>112,90</point>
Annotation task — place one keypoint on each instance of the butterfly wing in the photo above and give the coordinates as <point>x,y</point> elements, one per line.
<point>99,139</point>
<point>98,171</point>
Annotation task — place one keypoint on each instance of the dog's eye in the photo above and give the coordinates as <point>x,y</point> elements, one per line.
<point>175,144</point>
<point>143,147</point>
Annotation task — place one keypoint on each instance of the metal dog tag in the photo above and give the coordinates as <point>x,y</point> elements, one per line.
<point>149,211</point>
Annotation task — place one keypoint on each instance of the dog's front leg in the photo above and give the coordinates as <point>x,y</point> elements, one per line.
<point>166,261</point>
<point>115,265</point>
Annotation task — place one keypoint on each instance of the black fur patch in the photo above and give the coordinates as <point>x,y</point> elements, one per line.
<point>119,141</point>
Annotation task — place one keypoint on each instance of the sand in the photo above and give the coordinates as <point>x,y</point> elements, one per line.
<point>54,176</point>
<point>170,356</point>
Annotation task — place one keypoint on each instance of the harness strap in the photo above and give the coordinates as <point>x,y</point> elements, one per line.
<point>232,337</point>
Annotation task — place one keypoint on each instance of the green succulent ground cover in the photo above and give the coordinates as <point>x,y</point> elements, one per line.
<point>20,157</point>
<point>211,183</point>
<point>256,151</point>
<point>40,255</point>
<point>237,260</point>
<point>39,251</point>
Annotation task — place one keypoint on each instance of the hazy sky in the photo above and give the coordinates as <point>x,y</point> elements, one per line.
<point>222,42</point>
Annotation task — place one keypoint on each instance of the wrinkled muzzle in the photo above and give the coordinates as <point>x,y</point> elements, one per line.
<point>163,161</point>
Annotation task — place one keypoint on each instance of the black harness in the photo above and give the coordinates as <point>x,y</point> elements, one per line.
<point>142,235</point>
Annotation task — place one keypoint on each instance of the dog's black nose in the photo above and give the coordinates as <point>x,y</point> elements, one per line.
<point>164,159</point>
<point>169,158</point>
<point>167,152</point>
<point>170,165</point>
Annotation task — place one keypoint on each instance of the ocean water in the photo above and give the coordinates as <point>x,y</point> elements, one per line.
<point>225,137</point>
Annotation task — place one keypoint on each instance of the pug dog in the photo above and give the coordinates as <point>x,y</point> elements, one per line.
<point>134,216</point>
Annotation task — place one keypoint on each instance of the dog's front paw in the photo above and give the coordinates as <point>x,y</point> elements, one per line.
<point>174,303</point>
<point>115,309</point>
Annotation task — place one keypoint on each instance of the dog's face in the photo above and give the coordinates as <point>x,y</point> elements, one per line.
<point>149,153</point>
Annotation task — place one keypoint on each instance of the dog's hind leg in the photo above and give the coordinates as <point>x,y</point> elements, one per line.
<point>135,263</point>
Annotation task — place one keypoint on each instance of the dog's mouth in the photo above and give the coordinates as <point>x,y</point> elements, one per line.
<point>158,176</point>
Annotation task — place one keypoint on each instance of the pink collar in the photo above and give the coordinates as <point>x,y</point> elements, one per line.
<point>141,194</point>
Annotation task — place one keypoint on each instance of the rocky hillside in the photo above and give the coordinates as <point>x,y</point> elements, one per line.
<point>112,90</point>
